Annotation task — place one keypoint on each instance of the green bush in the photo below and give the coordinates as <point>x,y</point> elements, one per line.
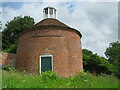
<point>10,69</point>
<point>12,49</point>
<point>6,68</point>
<point>49,75</point>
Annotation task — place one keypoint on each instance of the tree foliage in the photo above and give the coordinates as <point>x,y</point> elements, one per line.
<point>0,41</point>
<point>13,28</point>
<point>96,64</point>
<point>113,55</point>
<point>12,49</point>
<point>0,25</point>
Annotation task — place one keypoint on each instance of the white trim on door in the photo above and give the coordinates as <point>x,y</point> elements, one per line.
<point>45,56</point>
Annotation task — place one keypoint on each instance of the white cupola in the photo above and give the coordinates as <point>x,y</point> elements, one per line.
<point>49,12</point>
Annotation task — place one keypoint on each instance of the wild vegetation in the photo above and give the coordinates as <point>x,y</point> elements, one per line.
<point>15,79</point>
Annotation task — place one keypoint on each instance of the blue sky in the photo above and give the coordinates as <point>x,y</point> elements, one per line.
<point>97,21</point>
<point>18,5</point>
<point>15,5</point>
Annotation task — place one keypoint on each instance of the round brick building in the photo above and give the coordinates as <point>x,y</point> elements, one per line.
<point>50,45</point>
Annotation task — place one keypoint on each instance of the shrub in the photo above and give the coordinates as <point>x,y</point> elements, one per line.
<point>6,68</point>
<point>49,75</point>
<point>12,49</point>
<point>10,69</point>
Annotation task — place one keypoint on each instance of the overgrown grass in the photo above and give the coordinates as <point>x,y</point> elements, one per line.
<point>14,79</point>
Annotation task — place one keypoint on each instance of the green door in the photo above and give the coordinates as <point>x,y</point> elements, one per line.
<point>46,64</point>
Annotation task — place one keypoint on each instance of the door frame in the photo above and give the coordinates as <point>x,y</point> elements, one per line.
<point>45,56</point>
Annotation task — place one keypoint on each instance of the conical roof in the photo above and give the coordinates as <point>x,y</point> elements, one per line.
<point>54,24</point>
<point>51,21</point>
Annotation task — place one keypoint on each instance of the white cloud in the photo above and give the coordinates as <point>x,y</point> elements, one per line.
<point>59,0</point>
<point>96,21</point>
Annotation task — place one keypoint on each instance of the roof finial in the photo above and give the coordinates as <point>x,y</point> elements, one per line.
<point>49,12</point>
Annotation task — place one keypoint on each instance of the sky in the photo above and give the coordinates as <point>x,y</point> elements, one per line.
<point>96,21</point>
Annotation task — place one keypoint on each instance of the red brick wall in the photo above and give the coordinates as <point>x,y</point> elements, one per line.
<point>65,46</point>
<point>7,59</point>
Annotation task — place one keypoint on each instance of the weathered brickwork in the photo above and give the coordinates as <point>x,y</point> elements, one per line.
<point>64,45</point>
<point>7,59</point>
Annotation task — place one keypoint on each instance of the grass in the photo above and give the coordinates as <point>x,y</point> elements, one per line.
<point>14,79</point>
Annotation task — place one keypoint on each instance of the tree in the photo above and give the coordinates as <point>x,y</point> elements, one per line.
<point>96,64</point>
<point>0,41</point>
<point>13,28</point>
<point>113,55</point>
<point>0,25</point>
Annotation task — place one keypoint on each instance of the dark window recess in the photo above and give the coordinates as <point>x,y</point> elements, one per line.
<point>46,64</point>
<point>46,11</point>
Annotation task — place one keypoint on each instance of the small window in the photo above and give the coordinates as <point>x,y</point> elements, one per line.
<point>46,11</point>
<point>51,11</point>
